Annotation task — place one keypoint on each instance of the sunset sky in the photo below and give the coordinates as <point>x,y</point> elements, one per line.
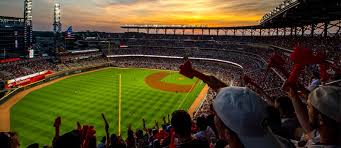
<point>108,15</point>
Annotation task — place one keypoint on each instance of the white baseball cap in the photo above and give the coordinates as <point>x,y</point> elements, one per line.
<point>327,100</point>
<point>244,112</point>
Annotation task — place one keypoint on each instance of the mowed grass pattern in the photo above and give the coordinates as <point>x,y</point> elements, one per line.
<point>84,97</point>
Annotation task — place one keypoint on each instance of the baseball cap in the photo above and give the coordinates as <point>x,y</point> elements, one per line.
<point>244,112</point>
<point>327,100</point>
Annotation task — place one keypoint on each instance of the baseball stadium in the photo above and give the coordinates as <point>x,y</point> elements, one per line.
<point>273,80</point>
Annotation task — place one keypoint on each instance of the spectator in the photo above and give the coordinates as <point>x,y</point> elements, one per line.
<point>205,132</point>
<point>181,122</point>
<point>131,143</point>
<point>321,121</point>
<point>289,121</point>
<point>141,139</point>
<point>315,82</point>
<point>102,143</point>
<point>14,140</point>
<point>4,140</point>
<point>241,119</point>
<point>69,140</point>
<point>114,141</point>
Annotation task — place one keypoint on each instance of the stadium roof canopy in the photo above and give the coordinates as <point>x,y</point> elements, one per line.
<point>302,12</point>
<point>186,27</point>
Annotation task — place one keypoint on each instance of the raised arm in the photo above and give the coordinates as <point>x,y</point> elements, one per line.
<point>56,125</point>
<point>300,110</point>
<point>187,70</point>
<point>144,125</point>
<point>106,126</point>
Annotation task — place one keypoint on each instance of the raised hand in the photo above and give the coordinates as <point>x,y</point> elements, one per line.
<point>187,70</point>
<point>79,126</point>
<point>144,123</point>
<point>57,122</point>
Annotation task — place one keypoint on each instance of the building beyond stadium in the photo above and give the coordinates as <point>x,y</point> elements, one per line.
<point>12,36</point>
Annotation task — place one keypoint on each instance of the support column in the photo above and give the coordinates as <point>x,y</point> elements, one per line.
<point>312,30</point>
<point>277,32</point>
<point>209,31</point>
<point>183,31</point>
<point>260,32</point>
<point>269,31</point>
<point>165,31</point>
<point>147,30</point>
<point>234,32</point>
<point>303,30</point>
<point>217,32</point>
<point>192,31</point>
<point>174,30</point>
<point>325,32</point>
<point>291,30</point>
<point>295,31</point>
<point>202,31</point>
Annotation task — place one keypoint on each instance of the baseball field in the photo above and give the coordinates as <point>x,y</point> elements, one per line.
<point>125,96</point>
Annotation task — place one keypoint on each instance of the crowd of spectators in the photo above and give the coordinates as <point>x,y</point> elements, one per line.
<point>24,67</point>
<point>21,68</point>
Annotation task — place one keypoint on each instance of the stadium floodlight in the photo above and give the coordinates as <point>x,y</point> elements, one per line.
<point>28,24</point>
<point>57,26</point>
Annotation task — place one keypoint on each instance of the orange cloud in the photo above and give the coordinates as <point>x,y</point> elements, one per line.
<point>108,15</point>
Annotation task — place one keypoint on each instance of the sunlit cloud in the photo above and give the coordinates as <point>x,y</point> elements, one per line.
<point>108,15</point>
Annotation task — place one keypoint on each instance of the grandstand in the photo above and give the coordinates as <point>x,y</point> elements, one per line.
<point>294,52</point>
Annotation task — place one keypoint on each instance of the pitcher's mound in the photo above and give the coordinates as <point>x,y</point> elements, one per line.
<point>154,81</point>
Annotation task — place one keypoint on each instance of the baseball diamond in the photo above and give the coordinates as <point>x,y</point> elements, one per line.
<point>84,97</point>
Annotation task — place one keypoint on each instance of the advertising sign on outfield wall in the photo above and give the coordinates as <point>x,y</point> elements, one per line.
<point>25,80</point>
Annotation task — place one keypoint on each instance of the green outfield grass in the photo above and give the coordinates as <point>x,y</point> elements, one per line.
<point>84,97</point>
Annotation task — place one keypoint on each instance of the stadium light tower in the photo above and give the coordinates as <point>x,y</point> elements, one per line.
<point>28,24</point>
<point>57,25</point>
